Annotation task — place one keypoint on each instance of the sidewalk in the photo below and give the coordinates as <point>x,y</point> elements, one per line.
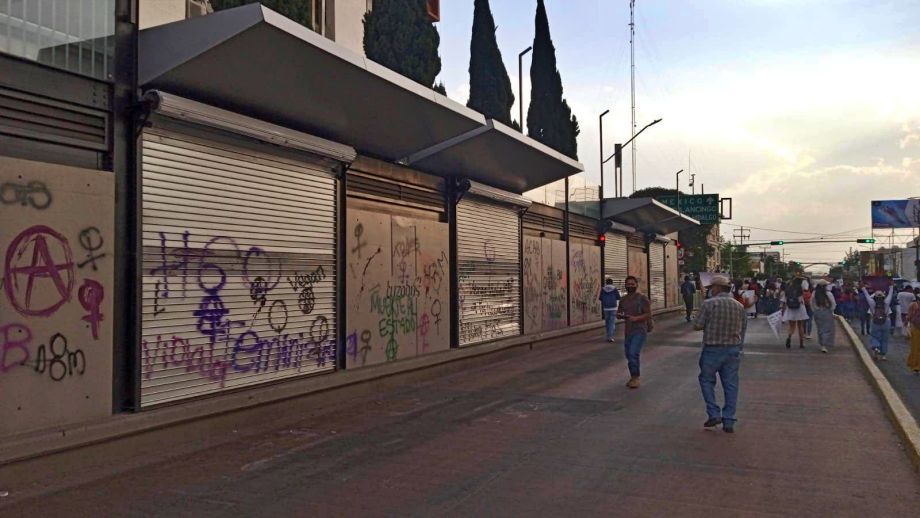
<point>551,432</point>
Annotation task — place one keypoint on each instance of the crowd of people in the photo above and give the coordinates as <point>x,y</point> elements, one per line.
<point>808,308</point>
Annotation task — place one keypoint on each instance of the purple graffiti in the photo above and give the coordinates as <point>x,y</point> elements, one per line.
<point>14,339</point>
<point>90,295</point>
<point>43,269</point>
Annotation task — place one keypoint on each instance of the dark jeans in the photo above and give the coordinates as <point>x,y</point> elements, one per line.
<point>632,346</point>
<point>726,362</point>
<point>688,302</point>
<point>865,321</point>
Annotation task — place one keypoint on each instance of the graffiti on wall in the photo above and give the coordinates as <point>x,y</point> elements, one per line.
<point>55,294</point>
<point>585,270</point>
<point>225,313</point>
<point>398,287</point>
<point>544,284</point>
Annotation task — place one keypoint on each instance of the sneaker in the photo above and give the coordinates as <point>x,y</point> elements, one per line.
<point>712,422</point>
<point>612,340</point>
<point>808,337</point>
<point>728,427</point>
<point>824,349</point>
<point>883,358</point>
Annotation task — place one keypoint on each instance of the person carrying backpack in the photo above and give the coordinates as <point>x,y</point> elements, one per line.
<point>610,298</point>
<point>879,309</point>
<point>794,312</point>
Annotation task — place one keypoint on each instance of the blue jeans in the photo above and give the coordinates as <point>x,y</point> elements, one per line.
<point>633,346</point>
<point>879,336</point>
<point>725,361</point>
<point>610,320</point>
<point>808,325</point>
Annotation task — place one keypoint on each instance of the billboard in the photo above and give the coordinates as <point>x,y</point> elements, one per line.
<point>701,207</point>
<point>896,213</point>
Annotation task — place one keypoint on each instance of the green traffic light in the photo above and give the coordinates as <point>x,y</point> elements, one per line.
<point>777,242</point>
<point>865,241</point>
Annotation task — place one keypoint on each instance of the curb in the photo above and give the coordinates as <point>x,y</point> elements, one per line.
<point>900,416</point>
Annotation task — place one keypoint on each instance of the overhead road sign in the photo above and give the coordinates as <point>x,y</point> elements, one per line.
<point>704,208</point>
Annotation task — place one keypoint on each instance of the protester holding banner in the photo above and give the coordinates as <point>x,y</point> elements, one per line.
<point>823,306</point>
<point>794,312</point>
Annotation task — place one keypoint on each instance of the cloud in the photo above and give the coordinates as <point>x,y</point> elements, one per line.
<point>911,134</point>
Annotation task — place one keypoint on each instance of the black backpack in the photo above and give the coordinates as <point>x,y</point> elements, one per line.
<point>880,313</point>
<point>792,300</point>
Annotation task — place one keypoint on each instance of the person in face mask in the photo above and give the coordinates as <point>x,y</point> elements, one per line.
<point>635,309</point>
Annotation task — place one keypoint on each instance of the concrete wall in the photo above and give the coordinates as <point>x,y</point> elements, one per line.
<point>349,23</point>
<point>56,315</point>
<point>398,287</point>
<point>544,284</point>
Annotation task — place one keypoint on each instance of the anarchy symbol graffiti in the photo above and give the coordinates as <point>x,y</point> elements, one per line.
<point>48,270</point>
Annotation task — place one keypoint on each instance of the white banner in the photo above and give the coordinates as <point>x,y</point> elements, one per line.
<point>775,320</point>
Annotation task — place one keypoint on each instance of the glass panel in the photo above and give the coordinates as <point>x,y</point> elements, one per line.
<point>76,35</point>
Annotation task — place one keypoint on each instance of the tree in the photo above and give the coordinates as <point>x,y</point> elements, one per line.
<point>490,88</point>
<point>399,36</point>
<point>694,240</point>
<point>549,118</point>
<point>735,259</point>
<point>301,11</point>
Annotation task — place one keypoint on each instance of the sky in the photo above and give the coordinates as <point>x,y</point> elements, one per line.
<point>801,111</point>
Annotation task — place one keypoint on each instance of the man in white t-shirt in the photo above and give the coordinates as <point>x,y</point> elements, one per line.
<point>905,299</point>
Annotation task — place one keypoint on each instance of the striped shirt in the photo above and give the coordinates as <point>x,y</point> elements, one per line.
<point>723,321</point>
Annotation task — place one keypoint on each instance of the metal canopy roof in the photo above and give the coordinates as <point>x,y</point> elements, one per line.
<point>647,215</point>
<point>254,61</point>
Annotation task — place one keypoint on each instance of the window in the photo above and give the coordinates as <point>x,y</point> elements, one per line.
<point>75,35</point>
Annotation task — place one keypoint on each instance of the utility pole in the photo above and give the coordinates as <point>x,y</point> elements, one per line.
<point>741,234</point>
<point>632,82</point>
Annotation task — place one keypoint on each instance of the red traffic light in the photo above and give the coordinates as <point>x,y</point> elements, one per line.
<point>601,239</point>
<point>678,244</point>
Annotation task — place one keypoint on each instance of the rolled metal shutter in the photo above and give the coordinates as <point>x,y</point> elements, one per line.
<point>615,259</point>
<point>239,267</point>
<point>489,261</point>
<point>656,274</point>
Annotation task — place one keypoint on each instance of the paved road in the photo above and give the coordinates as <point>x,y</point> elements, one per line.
<point>551,432</point>
<point>905,382</point>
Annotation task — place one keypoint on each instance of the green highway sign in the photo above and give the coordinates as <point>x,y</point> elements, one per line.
<point>701,207</point>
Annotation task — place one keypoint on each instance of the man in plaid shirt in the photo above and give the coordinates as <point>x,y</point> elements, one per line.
<point>723,322</point>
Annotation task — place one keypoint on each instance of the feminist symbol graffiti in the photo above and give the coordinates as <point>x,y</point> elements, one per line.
<point>51,269</point>
<point>91,241</point>
<point>91,295</point>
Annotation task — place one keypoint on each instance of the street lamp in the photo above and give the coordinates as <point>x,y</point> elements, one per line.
<point>521,86</point>
<point>677,188</point>
<point>693,182</point>
<point>600,123</point>
<point>618,153</point>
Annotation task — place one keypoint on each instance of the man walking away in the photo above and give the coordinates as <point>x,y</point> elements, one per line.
<point>879,309</point>
<point>688,289</point>
<point>635,309</point>
<point>724,324</point>
<point>610,299</point>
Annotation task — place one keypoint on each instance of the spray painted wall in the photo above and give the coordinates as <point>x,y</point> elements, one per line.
<point>398,287</point>
<point>56,300</point>
<point>544,284</point>
<point>585,272</point>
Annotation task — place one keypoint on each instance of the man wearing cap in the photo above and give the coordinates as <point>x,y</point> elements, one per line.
<point>723,322</point>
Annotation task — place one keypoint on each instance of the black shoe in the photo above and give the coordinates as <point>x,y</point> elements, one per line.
<point>712,422</point>
<point>788,342</point>
<point>728,427</point>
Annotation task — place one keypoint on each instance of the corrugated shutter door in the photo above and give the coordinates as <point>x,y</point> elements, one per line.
<point>239,268</point>
<point>656,273</point>
<point>488,258</point>
<point>615,259</point>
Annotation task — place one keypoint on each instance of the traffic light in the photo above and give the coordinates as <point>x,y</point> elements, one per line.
<point>777,242</point>
<point>602,239</point>
<point>865,241</point>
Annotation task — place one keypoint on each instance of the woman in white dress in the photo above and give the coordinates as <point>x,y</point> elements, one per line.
<point>794,312</point>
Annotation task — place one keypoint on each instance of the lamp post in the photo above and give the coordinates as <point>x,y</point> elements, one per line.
<point>693,183</point>
<point>618,154</point>
<point>521,86</point>
<point>677,188</point>
<point>600,124</point>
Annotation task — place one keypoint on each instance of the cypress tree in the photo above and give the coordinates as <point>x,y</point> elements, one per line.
<point>298,10</point>
<point>490,88</point>
<point>399,36</point>
<point>549,118</point>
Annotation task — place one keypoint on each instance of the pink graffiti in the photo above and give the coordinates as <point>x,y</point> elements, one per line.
<point>14,337</point>
<point>91,295</point>
<point>42,268</point>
